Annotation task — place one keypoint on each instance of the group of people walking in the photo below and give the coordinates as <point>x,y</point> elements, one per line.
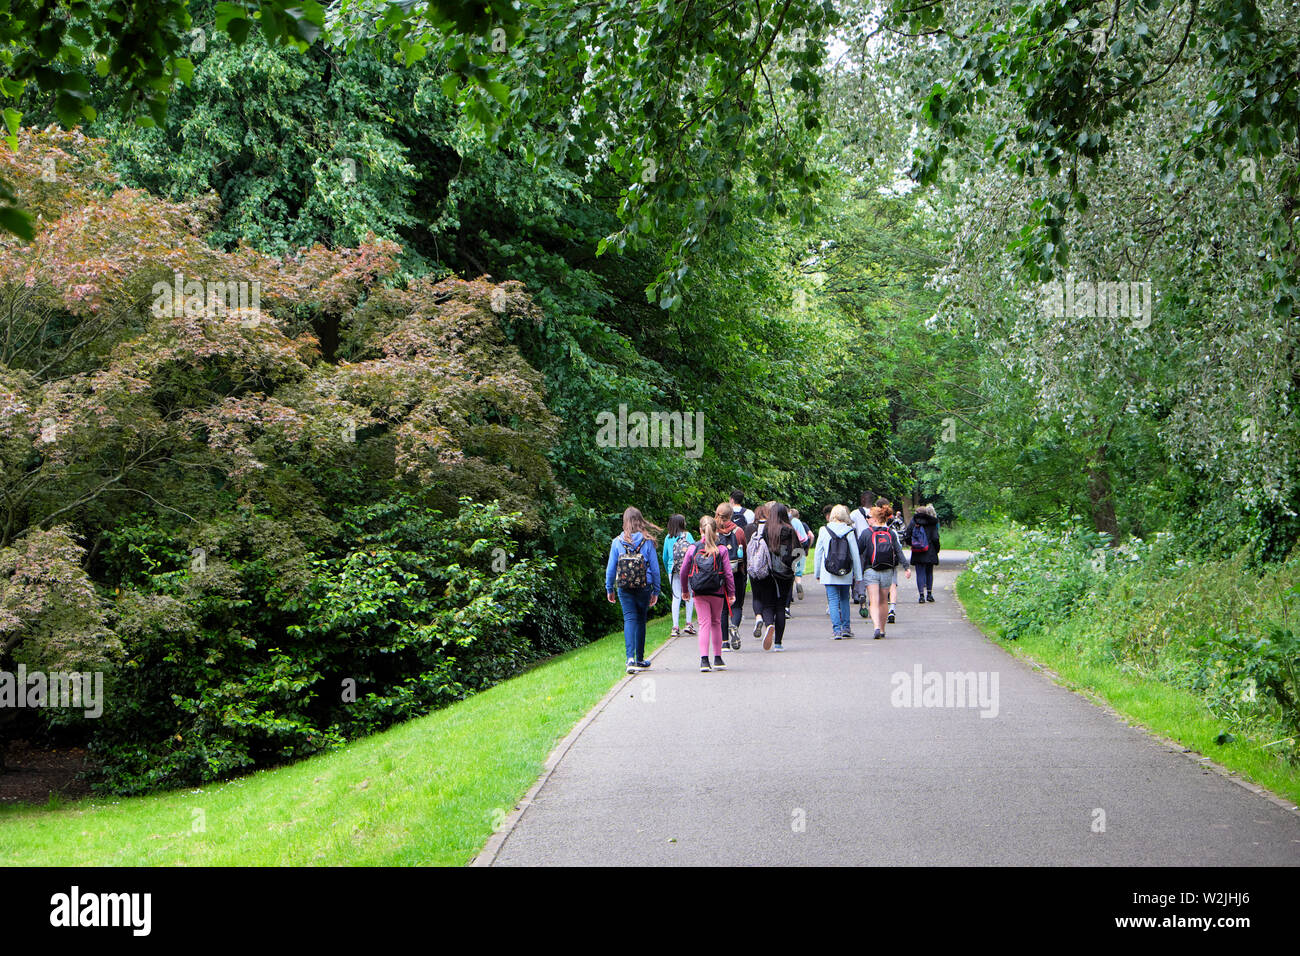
<point>854,556</point>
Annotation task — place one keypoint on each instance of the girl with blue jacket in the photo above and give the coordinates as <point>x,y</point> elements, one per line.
<point>677,533</point>
<point>636,600</point>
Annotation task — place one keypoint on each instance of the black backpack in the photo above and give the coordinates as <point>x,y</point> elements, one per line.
<point>706,578</point>
<point>880,548</point>
<point>731,541</point>
<point>783,558</point>
<point>839,556</point>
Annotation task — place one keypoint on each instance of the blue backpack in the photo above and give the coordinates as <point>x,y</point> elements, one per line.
<point>920,540</point>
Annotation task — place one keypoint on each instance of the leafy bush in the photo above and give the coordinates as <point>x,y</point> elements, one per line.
<point>1034,578</point>
<point>1221,628</point>
<point>262,656</point>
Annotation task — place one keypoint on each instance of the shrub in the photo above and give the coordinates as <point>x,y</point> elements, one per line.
<point>269,653</point>
<point>1221,628</point>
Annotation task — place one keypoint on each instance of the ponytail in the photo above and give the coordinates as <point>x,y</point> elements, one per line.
<point>708,535</point>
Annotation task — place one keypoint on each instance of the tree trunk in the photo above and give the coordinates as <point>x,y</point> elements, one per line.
<point>1099,494</point>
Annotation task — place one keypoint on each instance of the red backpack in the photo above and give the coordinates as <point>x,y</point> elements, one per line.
<point>882,548</point>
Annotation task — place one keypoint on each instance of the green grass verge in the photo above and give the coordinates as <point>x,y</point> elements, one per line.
<point>427,792</point>
<point>1169,711</point>
<point>966,535</point>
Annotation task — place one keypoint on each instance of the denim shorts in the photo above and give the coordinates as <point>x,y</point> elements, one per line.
<point>883,578</point>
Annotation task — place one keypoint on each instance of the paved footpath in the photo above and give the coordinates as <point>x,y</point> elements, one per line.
<point>802,757</point>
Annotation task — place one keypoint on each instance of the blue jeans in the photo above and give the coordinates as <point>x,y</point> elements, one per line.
<point>924,578</point>
<point>636,608</point>
<point>837,596</point>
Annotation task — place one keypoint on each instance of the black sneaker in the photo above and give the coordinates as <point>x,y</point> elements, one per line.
<point>704,665</point>
<point>891,618</point>
<point>643,665</point>
<point>758,626</point>
<point>878,635</point>
<point>929,597</point>
<point>718,665</point>
<point>631,666</point>
<point>920,600</point>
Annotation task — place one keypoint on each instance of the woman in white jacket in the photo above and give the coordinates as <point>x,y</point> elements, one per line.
<point>838,582</point>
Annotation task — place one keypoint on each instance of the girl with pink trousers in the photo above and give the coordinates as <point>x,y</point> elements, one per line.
<point>706,575</point>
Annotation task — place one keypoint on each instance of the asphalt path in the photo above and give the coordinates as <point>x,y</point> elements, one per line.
<point>812,756</point>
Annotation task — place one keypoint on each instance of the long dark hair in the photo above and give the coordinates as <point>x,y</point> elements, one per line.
<point>676,525</point>
<point>778,517</point>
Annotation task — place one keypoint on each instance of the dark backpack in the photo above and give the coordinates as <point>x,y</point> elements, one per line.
<point>706,579</point>
<point>783,558</point>
<point>731,541</point>
<point>839,556</point>
<point>679,552</point>
<point>920,540</point>
<point>881,548</point>
<point>630,571</point>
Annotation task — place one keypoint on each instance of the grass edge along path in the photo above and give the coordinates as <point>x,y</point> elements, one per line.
<point>1161,709</point>
<point>429,791</point>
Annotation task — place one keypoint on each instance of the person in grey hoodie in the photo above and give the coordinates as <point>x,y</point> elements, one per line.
<point>924,560</point>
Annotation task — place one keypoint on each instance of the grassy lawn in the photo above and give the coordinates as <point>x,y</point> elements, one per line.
<point>1169,711</point>
<point>427,792</point>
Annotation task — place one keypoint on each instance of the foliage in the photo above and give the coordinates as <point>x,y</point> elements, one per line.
<point>176,425</point>
<point>1145,142</point>
<point>271,653</point>
<point>1161,608</point>
<point>788,410</point>
<point>50,615</point>
<point>708,98</point>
